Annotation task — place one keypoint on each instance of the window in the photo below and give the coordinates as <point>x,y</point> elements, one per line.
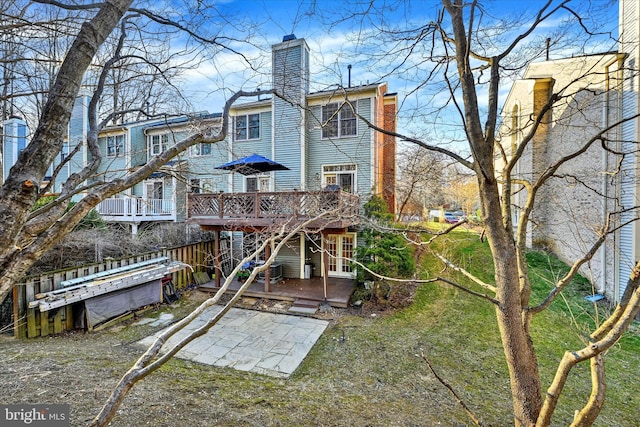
<point>64,152</point>
<point>158,144</point>
<point>202,149</point>
<point>257,183</point>
<point>115,146</point>
<point>201,185</point>
<point>338,121</point>
<point>247,127</point>
<point>341,176</point>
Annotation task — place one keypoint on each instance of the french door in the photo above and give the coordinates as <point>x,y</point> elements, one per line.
<point>340,248</point>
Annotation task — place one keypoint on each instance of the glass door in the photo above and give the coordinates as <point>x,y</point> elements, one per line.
<point>340,248</point>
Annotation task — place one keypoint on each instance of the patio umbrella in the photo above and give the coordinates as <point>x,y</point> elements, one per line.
<point>252,164</point>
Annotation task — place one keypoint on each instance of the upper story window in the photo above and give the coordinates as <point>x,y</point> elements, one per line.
<point>338,121</point>
<point>201,185</point>
<point>246,127</point>
<point>115,145</point>
<point>202,149</point>
<point>157,144</point>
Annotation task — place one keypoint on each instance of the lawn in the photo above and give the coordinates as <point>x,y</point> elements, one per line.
<point>368,371</point>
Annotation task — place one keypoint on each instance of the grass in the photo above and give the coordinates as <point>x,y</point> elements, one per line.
<point>367,371</point>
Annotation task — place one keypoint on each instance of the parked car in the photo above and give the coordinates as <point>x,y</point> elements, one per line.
<point>450,218</point>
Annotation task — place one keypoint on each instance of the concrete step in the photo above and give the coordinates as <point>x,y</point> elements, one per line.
<point>303,306</point>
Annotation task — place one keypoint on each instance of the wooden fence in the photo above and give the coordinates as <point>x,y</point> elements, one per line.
<point>29,322</point>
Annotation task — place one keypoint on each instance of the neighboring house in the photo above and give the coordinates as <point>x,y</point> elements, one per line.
<point>334,161</point>
<point>598,91</point>
<point>14,133</point>
<point>162,196</point>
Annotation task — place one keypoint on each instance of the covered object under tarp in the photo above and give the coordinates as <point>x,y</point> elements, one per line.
<point>100,297</point>
<point>104,307</point>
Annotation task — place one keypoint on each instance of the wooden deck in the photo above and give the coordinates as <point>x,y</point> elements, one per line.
<point>338,290</point>
<point>239,211</point>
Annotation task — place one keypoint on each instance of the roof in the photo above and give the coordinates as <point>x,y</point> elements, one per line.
<point>336,89</point>
<point>164,121</point>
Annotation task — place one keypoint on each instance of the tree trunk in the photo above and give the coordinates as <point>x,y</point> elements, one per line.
<point>21,188</point>
<point>516,341</point>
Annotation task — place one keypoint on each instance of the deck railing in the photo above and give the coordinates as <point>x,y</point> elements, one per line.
<point>137,209</point>
<point>271,205</point>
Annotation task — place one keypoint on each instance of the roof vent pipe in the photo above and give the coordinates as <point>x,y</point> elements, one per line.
<point>349,73</point>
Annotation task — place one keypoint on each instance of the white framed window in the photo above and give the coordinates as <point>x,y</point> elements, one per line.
<point>157,144</point>
<point>340,176</point>
<point>202,149</point>
<point>246,127</point>
<point>338,121</point>
<point>257,183</point>
<point>115,145</point>
<point>201,185</point>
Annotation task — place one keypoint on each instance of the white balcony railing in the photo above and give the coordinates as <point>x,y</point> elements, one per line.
<point>137,209</point>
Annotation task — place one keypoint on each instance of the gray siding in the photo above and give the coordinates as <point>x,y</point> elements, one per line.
<point>289,257</point>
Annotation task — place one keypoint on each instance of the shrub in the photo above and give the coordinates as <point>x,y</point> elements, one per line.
<point>381,250</point>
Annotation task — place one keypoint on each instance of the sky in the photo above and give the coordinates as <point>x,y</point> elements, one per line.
<point>339,34</point>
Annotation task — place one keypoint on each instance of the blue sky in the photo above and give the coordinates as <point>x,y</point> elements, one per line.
<point>338,35</point>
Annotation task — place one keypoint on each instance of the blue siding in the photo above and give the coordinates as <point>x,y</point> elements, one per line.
<point>138,143</point>
<point>261,146</point>
<point>353,150</point>
<point>288,144</point>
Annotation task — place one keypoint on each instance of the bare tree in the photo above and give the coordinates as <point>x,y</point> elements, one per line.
<point>458,62</point>
<point>26,234</point>
<point>420,184</point>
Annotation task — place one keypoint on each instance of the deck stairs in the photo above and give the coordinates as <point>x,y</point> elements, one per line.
<point>304,306</point>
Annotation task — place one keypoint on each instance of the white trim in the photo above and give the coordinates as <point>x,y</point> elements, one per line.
<point>354,172</point>
<point>303,149</point>
<point>303,254</point>
<point>247,139</point>
<point>374,173</point>
<point>339,255</point>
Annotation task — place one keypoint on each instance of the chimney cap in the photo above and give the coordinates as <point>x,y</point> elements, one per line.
<point>288,38</point>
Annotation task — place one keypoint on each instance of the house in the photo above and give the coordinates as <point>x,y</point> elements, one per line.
<point>597,91</point>
<point>162,196</point>
<point>334,160</point>
<point>14,139</point>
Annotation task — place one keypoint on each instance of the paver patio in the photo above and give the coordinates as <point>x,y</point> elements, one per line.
<point>248,340</point>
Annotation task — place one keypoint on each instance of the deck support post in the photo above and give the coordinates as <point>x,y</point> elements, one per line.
<point>325,263</point>
<point>217,269</point>
<point>267,272</point>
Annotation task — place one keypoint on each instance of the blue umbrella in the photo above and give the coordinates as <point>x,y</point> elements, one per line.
<point>252,164</point>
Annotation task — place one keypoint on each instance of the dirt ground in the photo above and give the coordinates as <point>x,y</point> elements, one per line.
<point>80,369</point>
